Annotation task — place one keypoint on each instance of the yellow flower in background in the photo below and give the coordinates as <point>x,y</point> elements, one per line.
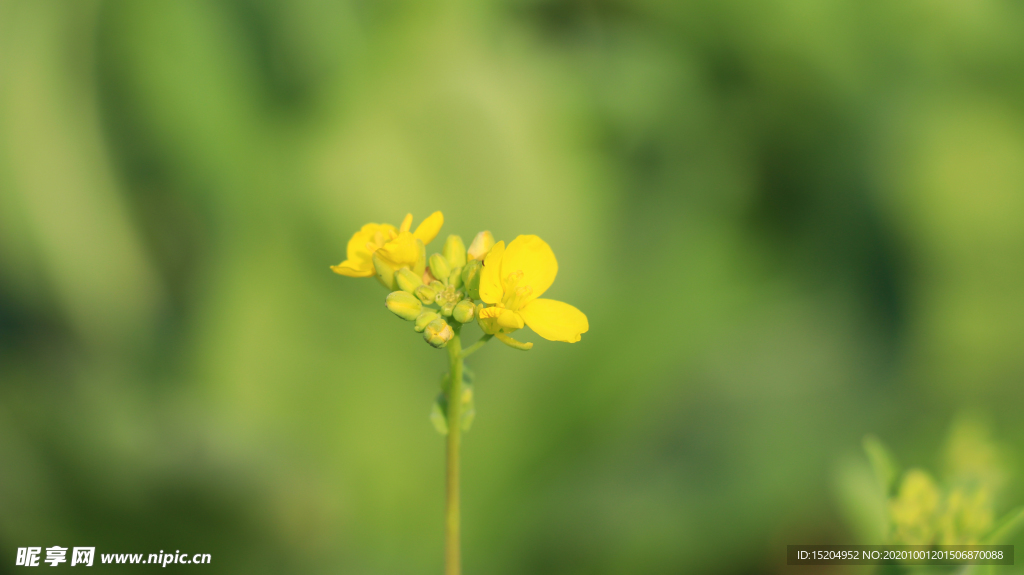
<point>959,510</point>
<point>394,248</point>
<point>915,509</point>
<point>967,516</point>
<point>512,281</point>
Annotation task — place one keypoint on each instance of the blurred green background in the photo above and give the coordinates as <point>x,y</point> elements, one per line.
<point>791,223</point>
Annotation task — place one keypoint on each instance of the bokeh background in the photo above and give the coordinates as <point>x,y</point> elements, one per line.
<point>791,223</point>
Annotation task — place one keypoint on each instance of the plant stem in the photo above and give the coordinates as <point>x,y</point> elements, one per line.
<point>452,555</point>
<point>465,353</point>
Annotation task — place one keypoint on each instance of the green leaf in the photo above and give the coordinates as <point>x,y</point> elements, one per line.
<point>860,500</point>
<point>468,407</point>
<point>439,411</point>
<point>438,414</point>
<point>1010,523</point>
<point>882,463</point>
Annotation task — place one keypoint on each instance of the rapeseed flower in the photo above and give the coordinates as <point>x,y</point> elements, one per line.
<point>438,296</point>
<point>512,281</point>
<point>384,249</point>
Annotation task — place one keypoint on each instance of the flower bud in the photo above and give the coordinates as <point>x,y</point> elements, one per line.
<point>408,280</point>
<point>448,308</point>
<point>454,251</point>
<point>438,333</point>
<point>427,277</point>
<point>425,294</point>
<point>464,311</point>
<point>437,286</point>
<point>439,267</point>
<point>422,320</point>
<point>482,243</point>
<point>471,278</point>
<point>455,279</point>
<point>447,299</point>
<point>385,271</point>
<point>404,305</point>
<point>421,259</point>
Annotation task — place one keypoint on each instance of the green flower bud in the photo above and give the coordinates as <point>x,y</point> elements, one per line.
<point>385,273</point>
<point>448,308</point>
<point>464,311</point>
<point>454,251</point>
<point>408,280</point>
<point>425,294</point>
<point>482,243</point>
<point>455,279</point>
<point>438,333</point>
<point>422,320</point>
<point>437,286</point>
<point>447,299</point>
<point>439,267</point>
<point>421,260</point>
<point>471,278</point>
<point>404,305</point>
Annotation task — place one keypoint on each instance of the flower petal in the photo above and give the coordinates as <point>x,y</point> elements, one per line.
<point>358,263</point>
<point>490,275</point>
<point>533,256</point>
<point>428,228</point>
<point>406,223</point>
<point>510,320</point>
<point>555,320</point>
<point>402,250</point>
<point>490,312</point>
<point>487,319</point>
<point>353,270</point>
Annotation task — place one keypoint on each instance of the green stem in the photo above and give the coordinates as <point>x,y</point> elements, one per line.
<point>465,353</point>
<point>452,555</point>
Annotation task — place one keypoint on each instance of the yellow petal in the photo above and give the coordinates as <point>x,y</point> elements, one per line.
<point>490,312</point>
<point>532,256</point>
<point>504,319</point>
<point>428,228</point>
<point>555,320</point>
<point>487,319</point>
<point>347,268</point>
<point>510,320</point>
<point>358,263</point>
<point>490,275</point>
<point>406,223</point>
<point>403,250</point>
<point>356,248</point>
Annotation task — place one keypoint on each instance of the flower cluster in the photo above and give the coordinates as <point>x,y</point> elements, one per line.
<point>960,509</point>
<point>495,285</point>
<point>498,286</point>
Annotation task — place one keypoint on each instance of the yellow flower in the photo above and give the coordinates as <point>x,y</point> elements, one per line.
<point>512,280</point>
<point>397,248</point>
<point>914,510</point>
